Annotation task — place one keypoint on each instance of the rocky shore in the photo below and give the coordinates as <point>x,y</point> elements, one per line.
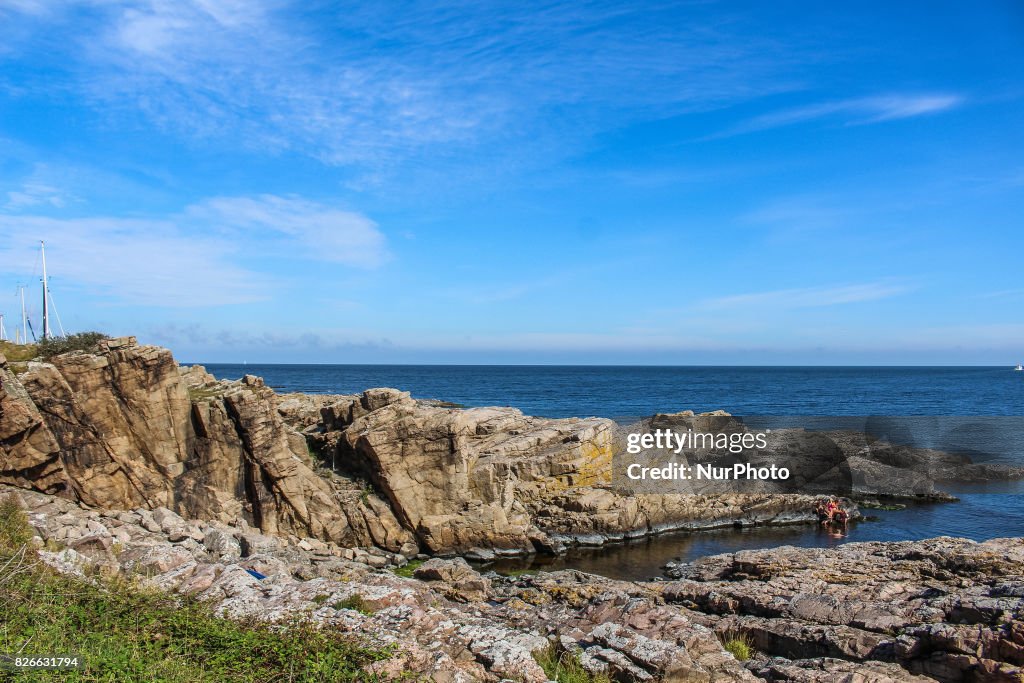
<point>355,509</point>
<point>943,609</point>
<point>127,427</point>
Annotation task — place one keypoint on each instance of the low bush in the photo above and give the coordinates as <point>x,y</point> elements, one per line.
<point>82,341</point>
<point>15,530</point>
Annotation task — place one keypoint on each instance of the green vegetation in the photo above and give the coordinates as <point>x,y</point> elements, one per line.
<point>739,645</point>
<point>15,531</point>
<point>82,341</point>
<point>354,602</point>
<point>204,393</point>
<point>408,569</point>
<point>565,667</point>
<point>16,353</point>
<point>125,632</point>
<point>48,348</point>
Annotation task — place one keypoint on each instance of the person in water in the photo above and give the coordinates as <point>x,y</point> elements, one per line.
<point>819,510</point>
<point>829,512</point>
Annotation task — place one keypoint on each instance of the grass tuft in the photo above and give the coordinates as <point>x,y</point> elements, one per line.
<point>408,569</point>
<point>354,602</point>
<point>18,352</point>
<point>565,667</point>
<point>739,645</point>
<point>15,531</point>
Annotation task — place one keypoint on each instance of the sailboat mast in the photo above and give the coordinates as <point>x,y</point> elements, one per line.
<point>24,317</point>
<point>46,295</point>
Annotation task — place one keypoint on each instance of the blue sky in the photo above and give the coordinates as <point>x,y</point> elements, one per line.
<point>586,182</point>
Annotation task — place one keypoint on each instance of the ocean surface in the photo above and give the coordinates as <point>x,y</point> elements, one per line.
<point>616,391</point>
<point>984,511</point>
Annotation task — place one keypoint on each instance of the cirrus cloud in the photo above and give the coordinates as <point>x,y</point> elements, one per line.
<point>200,256</point>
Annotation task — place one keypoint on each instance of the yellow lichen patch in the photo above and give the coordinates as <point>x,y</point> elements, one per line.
<point>596,463</point>
<point>575,596</point>
<point>517,604</point>
<point>535,597</point>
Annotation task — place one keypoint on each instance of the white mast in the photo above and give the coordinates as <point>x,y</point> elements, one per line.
<point>24,316</point>
<point>3,332</point>
<point>46,295</point>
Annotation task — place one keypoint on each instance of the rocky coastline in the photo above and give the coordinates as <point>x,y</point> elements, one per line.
<point>359,510</point>
<point>127,427</point>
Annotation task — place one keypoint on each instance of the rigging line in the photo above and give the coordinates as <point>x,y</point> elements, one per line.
<point>57,315</point>
<point>35,268</point>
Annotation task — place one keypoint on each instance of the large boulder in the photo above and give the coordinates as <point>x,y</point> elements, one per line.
<point>460,581</point>
<point>459,478</point>
<point>29,453</point>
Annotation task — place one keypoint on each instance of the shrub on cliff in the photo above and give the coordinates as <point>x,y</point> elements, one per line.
<point>81,341</point>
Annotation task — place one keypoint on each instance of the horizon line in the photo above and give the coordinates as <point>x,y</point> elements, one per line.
<point>600,365</point>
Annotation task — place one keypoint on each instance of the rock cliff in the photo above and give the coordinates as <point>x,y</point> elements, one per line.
<point>30,453</point>
<point>126,427</point>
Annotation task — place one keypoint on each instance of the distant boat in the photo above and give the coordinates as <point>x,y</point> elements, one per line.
<point>1019,368</point>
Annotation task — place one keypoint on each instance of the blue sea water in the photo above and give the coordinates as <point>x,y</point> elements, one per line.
<point>618,391</point>
<point>615,391</point>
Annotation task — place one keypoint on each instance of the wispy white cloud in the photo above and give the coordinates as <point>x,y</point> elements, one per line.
<point>804,212</point>
<point>807,297</point>
<point>35,194</point>
<point>323,232</point>
<point>40,188</point>
<point>1002,294</point>
<point>35,7</point>
<point>130,261</point>
<point>198,257</point>
<point>405,79</point>
<point>855,111</point>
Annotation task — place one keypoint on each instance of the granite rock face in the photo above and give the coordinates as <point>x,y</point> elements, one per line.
<point>462,478</point>
<point>29,453</point>
<point>493,479</point>
<point>126,428</point>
